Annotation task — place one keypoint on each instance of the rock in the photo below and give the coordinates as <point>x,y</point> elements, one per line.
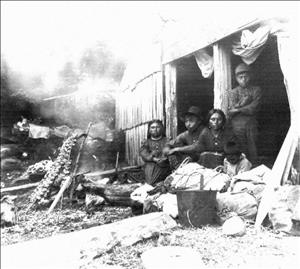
<point>8,211</point>
<point>234,226</point>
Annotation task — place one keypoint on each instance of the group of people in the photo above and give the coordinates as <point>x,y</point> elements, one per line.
<point>227,144</point>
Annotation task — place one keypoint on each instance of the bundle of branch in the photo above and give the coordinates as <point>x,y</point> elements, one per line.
<point>70,180</point>
<point>56,175</point>
<point>35,172</point>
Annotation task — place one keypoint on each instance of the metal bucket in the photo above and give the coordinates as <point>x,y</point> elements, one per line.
<point>197,207</point>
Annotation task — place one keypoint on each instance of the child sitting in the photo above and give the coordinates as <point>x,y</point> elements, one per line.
<point>235,161</point>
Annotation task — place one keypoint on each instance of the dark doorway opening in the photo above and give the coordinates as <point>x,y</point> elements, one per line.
<point>274,115</point>
<point>192,89</point>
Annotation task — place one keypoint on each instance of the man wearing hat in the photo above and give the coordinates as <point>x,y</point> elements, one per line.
<point>243,105</point>
<point>193,123</point>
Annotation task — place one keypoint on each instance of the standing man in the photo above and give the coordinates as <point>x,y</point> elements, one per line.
<point>243,105</point>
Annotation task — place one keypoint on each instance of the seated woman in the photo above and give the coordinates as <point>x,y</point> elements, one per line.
<point>178,149</point>
<point>213,139</point>
<point>156,164</point>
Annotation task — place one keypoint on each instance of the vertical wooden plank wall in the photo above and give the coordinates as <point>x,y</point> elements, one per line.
<point>171,101</point>
<point>222,75</point>
<point>135,108</point>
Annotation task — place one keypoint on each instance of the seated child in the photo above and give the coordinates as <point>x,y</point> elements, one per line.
<point>235,161</point>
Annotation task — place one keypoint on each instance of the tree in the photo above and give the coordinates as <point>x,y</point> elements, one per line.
<point>101,62</point>
<point>69,79</point>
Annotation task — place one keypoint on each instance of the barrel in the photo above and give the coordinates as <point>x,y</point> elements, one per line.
<point>197,207</point>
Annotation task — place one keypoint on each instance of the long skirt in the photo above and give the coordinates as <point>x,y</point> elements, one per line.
<point>155,173</point>
<point>211,159</point>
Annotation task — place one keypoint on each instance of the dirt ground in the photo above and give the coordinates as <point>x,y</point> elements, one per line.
<point>36,224</point>
<point>266,249</point>
<point>253,250</point>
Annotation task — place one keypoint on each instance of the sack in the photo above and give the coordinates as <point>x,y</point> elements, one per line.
<point>284,207</point>
<point>140,194</point>
<point>185,176</point>
<point>215,181</point>
<point>243,204</point>
<point>168,204</point>
<point>161,202</point>
<point>258,175</point>
<point>252,181</point>
<point>193,176</point>
<point>251,188</point>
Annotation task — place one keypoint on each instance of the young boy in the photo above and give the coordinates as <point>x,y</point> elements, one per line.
<point>179,147</point>
<point>235,161</point>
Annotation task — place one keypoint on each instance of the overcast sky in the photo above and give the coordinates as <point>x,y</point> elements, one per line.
<point>40,36</point>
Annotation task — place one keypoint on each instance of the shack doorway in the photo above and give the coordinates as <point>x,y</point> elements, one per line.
<point>274,115</point>
<point>192,89</point>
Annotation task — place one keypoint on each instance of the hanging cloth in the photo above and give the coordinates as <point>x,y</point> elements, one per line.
<point>37,131</point>
<point>251,44</point>
<point>205,63</point>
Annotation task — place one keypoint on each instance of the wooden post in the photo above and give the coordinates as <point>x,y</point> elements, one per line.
<point>171,100</point>
<point>222,75</point>
<point>73,184</point>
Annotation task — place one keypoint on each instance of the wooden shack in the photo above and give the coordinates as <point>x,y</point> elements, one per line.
<point>165,86</point>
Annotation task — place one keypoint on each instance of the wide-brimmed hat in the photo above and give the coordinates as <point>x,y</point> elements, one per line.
<point>242,68</point>
<point>193,110</point>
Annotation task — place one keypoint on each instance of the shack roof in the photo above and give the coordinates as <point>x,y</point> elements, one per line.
<point>147,61</point>
<point>180,38</point>
<point>185,37</point>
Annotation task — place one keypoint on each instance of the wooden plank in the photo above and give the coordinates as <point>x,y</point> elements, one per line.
<point>274,178</point>
<point>147,104</point>
<point>222,76</point>
<point>110,172</point>
<point>16,189</point>
<point>289,161</point>
<point>171,102</point>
